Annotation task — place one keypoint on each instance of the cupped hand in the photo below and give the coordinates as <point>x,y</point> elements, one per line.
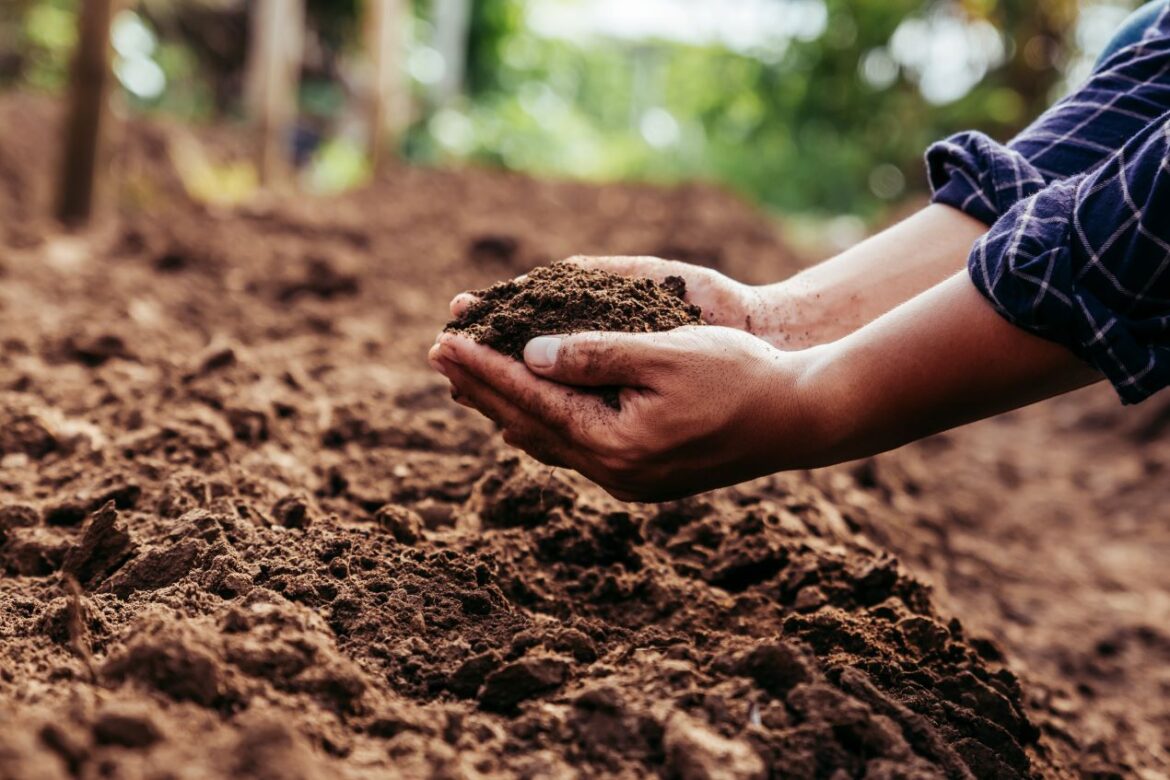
<point>701,407</point>
<point>724,301</point>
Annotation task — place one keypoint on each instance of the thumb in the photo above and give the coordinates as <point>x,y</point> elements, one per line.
<point>595,359</point>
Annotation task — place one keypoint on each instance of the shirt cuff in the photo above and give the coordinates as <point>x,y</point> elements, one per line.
<point>1026,269</point>
<point>980,177</point>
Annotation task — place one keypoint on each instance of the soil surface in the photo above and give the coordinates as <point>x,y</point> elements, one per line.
<point>245,533</point>
<point>562,298</point>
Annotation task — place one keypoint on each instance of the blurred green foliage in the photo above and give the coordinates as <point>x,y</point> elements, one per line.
<point>39,36</point>
<point>802,131</point>
<point>828,123</point>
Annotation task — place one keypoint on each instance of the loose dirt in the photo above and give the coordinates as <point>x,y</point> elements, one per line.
<point>245,533</point>
<point>563,298</point>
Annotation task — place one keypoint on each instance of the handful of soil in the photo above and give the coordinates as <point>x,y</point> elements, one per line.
<point>563,298</point>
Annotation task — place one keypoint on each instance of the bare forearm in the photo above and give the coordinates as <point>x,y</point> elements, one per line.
<point>844,293</point>
<point>943,359</point>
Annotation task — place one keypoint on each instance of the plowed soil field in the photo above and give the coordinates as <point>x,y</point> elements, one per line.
<point>245,533</point>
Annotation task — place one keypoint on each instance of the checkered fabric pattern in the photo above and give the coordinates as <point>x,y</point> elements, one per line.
<point>1079,207</point>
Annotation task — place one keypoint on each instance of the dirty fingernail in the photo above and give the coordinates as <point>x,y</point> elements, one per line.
<point>541,352</point>
<point>447,350</point>
<point>433,357</point>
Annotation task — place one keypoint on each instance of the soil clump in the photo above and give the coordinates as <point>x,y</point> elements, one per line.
<point>563,298</point>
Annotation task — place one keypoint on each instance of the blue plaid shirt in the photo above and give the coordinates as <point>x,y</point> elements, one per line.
<point>1079,208</point>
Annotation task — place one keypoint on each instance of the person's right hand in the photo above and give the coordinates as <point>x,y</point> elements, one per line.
<point>700,406</point>
<point>723,300</point>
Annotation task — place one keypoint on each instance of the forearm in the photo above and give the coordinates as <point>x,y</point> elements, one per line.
<point>941,360</point>
<point>846,292</point>
<point>1118,101</point>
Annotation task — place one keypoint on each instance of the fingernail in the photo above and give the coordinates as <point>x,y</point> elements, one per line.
<point>433,358</point>
<point>541,352</point>
<point>447,348</point>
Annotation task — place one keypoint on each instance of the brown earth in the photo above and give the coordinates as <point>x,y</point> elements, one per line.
<point>562,298</point>
<point>244,532</point>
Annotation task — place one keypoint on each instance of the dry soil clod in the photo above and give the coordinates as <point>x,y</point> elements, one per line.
<point>564,298</point>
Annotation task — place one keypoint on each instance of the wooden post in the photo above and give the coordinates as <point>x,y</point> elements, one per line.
<point>389,97</point>
<point>89,86</point>
<point>275,51</point>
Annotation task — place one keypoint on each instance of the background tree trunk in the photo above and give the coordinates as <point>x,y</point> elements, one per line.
<point>275,50</point>
<point>389,94</point>
<point>82,161</point>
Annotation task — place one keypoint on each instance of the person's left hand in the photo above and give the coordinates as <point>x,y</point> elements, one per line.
<point>701,407</point>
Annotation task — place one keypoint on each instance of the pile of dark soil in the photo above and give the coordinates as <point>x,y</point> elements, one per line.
<point>244,532</point>
<point>564,298</point>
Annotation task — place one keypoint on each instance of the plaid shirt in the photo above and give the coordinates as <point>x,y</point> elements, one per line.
<point>1079,209</point>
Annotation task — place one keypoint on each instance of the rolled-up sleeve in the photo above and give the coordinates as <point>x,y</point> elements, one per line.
<point>1085,262</point>
<point>971,172</point>
<point>980,177</point>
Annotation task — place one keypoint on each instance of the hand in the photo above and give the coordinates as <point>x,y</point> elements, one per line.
<point>724,301</point>
<point>701,407</point>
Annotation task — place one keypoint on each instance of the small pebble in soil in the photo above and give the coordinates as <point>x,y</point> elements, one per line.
<point>292,512</point>
<point>402,523</point>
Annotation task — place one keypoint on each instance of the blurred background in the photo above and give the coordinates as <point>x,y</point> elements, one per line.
<point>818,110</point>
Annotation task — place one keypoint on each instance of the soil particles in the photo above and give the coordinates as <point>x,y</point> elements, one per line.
<point>244,532</point>
<point>563,298</point>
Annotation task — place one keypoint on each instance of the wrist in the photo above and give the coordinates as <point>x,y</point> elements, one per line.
<point>777,312</point>
<point>793,417</point>
<point>826,406</point>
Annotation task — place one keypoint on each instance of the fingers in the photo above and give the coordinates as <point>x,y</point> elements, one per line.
<point>461,303</point>
<point>554,405</point>
<point>548,450</point>
<point>553,423</point>
<point>519,429</point>
<point>599,359</point>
